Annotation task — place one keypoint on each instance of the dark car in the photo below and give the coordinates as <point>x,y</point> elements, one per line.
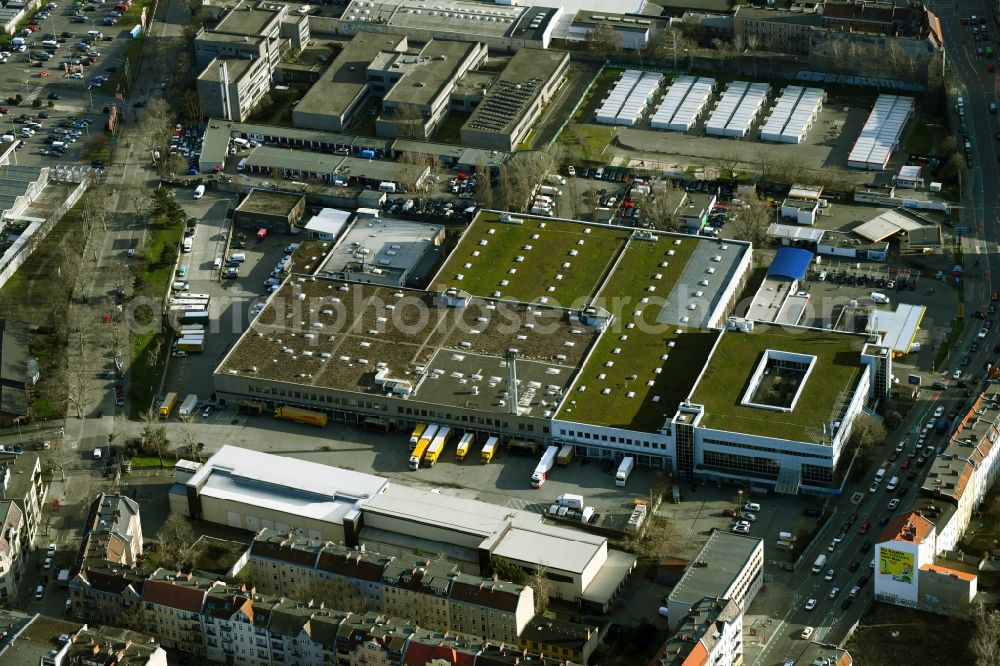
<point>854,565</point>
<point>846,603</point>
<point>866,546</point>
<point>863,581</point>
<point>55,96</point>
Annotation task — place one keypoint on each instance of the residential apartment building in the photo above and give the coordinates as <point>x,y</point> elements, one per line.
<point>434,594</point>
<point>729,566</point>
<point>107,645</point>
<point>559,640</point>
<point>105,593</point>
<point>21,481</point>
<point>13,550</point>
<point>774,31</point>
<point>883,18</point>
<point>712,633</point>
<point>217,622</point>
<point>113,531</point>
<point>171,609</point>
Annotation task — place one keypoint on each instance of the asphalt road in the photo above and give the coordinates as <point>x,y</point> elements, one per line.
<point>979,213</point>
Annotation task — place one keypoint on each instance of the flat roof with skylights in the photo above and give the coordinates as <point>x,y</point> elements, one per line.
<point>779,382</point>
<point>651,354</point>
<point>532,259</point>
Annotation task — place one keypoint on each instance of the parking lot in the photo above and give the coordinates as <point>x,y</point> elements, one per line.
<point>57,64</point>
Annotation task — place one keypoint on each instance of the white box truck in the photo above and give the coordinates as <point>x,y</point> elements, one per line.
<point>188,406</point>
<point>570,500</point>
<point>818,564</point>
<point>624,471</point>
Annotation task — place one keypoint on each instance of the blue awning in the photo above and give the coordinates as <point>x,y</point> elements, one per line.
<point>791,263</point>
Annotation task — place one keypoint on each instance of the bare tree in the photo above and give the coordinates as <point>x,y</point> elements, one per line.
<point>484,183</point>
<point>867,431</point>
<point>660,212</point>
<point>674,44</point>
<point>750,222</point>
<point>409,121</point>
<point>175,540</point>
<point>602,39</point>
<point>985,642</point>
<point>139,199</point>
<point>542,587</point>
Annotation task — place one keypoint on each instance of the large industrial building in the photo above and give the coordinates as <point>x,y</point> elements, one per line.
<point>251,490</point>
<point>619,342</point>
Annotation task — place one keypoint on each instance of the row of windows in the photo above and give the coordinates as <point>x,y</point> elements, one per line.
<point>584,434</point>
<point>763,449</point>
<point>737,463</point>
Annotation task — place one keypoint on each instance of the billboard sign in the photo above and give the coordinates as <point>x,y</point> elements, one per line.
<point>896,563</point>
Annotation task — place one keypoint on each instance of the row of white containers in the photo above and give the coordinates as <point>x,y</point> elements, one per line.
<point>794,113</point>
<point>683,103</point>
<point>881,132</point>
<point>737,109</point>
<point>629,98</point>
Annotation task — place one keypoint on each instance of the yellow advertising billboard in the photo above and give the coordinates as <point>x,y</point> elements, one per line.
<point>896,563</point>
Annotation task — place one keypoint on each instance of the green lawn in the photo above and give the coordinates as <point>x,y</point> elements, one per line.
<point>450,129</point>
<point>921,140</point>
<point>836,371</point>
<point>541,266</point>
<point>144,462</point>
<point>581,134</point>
<point>133,53</point>
<point>639,351</point>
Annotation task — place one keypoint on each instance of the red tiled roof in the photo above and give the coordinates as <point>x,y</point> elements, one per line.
<point>697,657</point>
<point>969,577</point>
<point>910,527</point>
<point>169,593</point>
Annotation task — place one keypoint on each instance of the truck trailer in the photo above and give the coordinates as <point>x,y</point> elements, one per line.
<point>565,455</point>
<point>415,435</point>
<point>544,466</point>
<point>188,406</point>
<point>624,471</point>
<point>437,446</point>
<point>191,344</point>
<point>300,415</point>
<point>168,404</point>
<point>489,449</point>
<point>417,454</point>
<point>464,444</point>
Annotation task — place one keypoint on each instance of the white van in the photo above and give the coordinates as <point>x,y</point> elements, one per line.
<point>199,192</point>
<point>58,145</point>
<point>387,186</point>
<point>893,482</point>
<point>238,256</point>
<point>7,138</point>
<point>97,454</point>
<point>242,144</point>
<point>242,165</point>
<point>879,475</point>
<point>50,42</point>
<point>96,34</point>
<point>17,41</point>
<point>822,276</point>
<point>187,244</point>
<point>878,297</point>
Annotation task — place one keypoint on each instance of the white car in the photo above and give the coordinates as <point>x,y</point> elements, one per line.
<point>807,633</point>
<point>741,528</point>
<point>48,563</point>
<point>939,412</point>
<point>752,517</point>
<point>829,575</point>
<point>811,604</point>
<point>834,592</point>
<point>51,552</point>
<point>893,503</point>
<point>753,507</point>
<point>983,332</point>
<point>899,447</point>
<point>958,373</point>
<point>571,170</point>
<point>744,523</point>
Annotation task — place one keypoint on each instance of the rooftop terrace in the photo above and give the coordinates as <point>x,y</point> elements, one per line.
<point>835,374</point>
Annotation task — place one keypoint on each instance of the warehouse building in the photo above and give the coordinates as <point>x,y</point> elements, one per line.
<point>274,211</point>
<point>242,489</point>
<point>515,101</point>
<point>638,335</point>
<point>337,169</point>
<point>386,252</point>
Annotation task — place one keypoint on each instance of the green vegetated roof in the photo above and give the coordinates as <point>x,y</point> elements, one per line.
<point>639,351</point>
<point>536,273</point>
<point>836,372</point>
